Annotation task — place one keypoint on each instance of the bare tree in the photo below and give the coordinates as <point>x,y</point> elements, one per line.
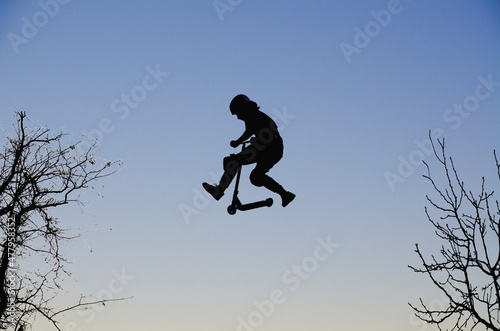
<point>467,269</point>
<point>37,173</point>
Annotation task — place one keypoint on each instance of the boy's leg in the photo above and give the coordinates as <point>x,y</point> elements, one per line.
<point>267,159</point>
<point>230,166</point>
<point>258,177</point>
<point>233,161</point>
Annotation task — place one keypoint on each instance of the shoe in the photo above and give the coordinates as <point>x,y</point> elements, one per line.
<point>286,198</point>
<point>214,190</point>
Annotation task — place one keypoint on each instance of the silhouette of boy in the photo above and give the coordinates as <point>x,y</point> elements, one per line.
<point>266,150</point>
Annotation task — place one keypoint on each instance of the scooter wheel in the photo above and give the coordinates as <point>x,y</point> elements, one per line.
<point>231,209</point>
<point>269,202</point>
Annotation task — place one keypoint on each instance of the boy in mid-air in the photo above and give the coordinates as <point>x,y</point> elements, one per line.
<point>266,150</point>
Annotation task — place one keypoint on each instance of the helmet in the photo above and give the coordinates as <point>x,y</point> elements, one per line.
<point>238,103</point>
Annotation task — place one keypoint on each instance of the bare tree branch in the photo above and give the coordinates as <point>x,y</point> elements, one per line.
<point>37,173</point>
<point>468,270</point>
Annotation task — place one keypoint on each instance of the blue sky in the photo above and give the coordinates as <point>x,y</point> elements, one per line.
<point>152,81</point>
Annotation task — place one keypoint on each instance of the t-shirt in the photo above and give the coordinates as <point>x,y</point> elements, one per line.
<point>263,127</point>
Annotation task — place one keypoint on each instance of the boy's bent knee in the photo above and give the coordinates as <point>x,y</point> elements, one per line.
<point>257,178</point>
<point>230,163</point>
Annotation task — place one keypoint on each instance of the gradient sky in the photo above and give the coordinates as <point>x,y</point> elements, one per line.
<point>353,108</point>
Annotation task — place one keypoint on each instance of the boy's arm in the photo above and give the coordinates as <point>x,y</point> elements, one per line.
<point>244,136</point>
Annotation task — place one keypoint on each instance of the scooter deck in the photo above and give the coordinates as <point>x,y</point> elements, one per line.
<point>237,205</point>
<point>257,204</point>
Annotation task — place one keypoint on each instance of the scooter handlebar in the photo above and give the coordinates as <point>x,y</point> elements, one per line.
<point>243,143</point>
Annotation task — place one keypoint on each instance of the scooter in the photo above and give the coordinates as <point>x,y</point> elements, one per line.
<point>236,203</point>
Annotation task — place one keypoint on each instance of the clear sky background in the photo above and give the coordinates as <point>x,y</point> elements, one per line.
<point>354,109</point>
